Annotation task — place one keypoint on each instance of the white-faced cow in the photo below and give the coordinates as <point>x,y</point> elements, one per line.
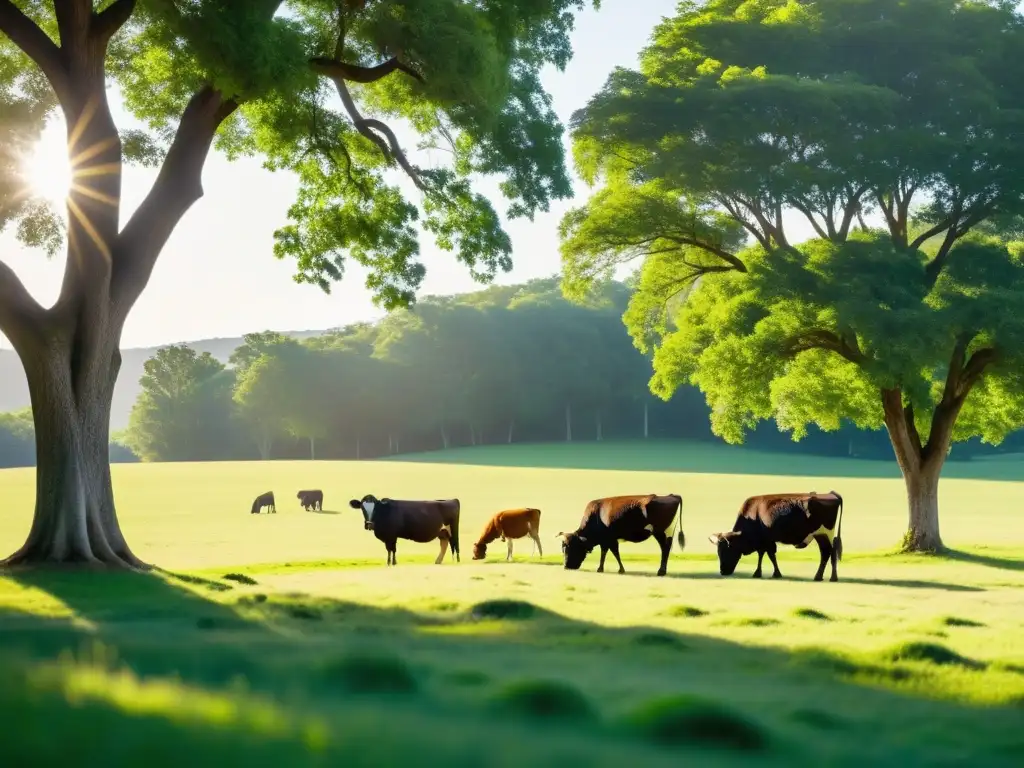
<point>786,518</point>
<point>508,525</point>
<point>264,500</point>
<point>608,521</point>
<point>420,521</point>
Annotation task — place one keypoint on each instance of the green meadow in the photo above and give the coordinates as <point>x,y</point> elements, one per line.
<point>283,639</point>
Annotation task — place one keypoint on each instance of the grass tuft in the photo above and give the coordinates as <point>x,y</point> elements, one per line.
<point>692,720</point>
<point>659,640</point>
<point>956,621</point>
<point>686,612</point>
<point>933,653</point>
<point>368,673</point>
<point>810,613</point>
<point>544,700</point>
<point>241,578</point>
<point>513,610</point>
<point>819,719</point>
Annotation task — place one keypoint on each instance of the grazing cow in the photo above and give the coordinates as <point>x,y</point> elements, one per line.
<point>421,521</point>
<point>624,518</point>
<point>508,525</point>
<point>311,499</point>
<point>791,518</point>
<point>264,500</point>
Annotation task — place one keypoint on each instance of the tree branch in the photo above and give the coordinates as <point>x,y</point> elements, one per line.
<point>358,74</point>
<point>390,147</point>
<point>19,312</point>
<point>899,421</point>
<point>178,185</point>
<point>35,44</point>
<point>817,338</point>
<point>106,24</point>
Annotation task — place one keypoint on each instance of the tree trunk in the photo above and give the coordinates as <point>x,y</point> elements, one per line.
<point>71,391</point>
<point>511,424</point>
<point>600,435</point>
<point>444,438</point>
<point>568,423</point>
<point>312,449</point>
<point>646,423</point>
<point>923,498</point>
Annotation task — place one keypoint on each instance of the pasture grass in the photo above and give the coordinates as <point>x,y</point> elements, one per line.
<point>283,640</point>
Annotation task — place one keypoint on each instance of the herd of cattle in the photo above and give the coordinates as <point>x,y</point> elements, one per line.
<point>795,519</point>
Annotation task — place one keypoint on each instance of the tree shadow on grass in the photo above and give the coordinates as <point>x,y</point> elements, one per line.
<point>453,682</point>
<point>992,561</point>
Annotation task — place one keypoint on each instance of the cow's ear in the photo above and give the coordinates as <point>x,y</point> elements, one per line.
<point>355,504</point>
<point>714,538</point>
<point>385,500</point>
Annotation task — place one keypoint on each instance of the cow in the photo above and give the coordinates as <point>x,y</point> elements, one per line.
<point>785,518</point>
<point>311,499</point>
<point>508,525</point>
<point>264,500</point>
<point>608,521</point>
<point>421,521</point>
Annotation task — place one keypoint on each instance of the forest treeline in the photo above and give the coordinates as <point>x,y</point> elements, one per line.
<point>506,364</point>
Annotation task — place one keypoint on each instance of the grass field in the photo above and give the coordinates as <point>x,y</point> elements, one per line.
<point>272,640</point>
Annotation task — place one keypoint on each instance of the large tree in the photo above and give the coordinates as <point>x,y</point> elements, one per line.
<point>891,131</point>
<point>316,87</point>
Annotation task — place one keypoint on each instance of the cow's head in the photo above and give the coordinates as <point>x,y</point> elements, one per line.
<point>575,549</point>
<point>300,495</point>
<point>479,551</point>
<point>371,507</point>
<point>730,550</point>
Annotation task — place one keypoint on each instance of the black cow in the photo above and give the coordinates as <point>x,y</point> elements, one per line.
<point>790,518</point>
<point>420,521</point>
<point>264,500</point>
<point>624,518</point>
<point>311,499</point>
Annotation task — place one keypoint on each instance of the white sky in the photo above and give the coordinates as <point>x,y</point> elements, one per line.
<point>218,277</point>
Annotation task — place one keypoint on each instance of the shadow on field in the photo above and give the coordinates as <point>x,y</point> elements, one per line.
<point>497,682</point>
<point>992,561</point>
<point>787,577</point>
<point>700,457</point>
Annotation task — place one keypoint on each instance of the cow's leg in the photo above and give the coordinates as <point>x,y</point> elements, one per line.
<point>665,542</point>
<point>760,557</point>
<point>775,563</point>
<point>825,547</point>
<point>604,554</point>
<point>444,549</point>
<point>509,555</point>
<point>614,547</point>
<point>834,557</point>
<point>536,542</point>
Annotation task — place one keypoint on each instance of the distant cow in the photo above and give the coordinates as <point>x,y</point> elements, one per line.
<point>421,521</point>
<point>264,500</point>
<point>791,518</point>
<point>311,499</point>
<point>624,518</point>
<point>508,525</point>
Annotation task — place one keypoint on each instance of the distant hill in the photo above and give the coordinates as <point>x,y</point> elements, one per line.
<point>14,387</point>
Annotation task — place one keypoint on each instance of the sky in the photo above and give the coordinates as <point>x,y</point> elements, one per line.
<point>217,276</point>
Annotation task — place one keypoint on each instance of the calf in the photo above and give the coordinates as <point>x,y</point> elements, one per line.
<point>421,521</point>
<point>264,500</point>
<point>311,499</point>
<point>791,518</point>
<point>508,525</point>
<point>624,518</point>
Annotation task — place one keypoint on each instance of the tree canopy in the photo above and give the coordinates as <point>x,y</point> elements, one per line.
<point>889,131</point>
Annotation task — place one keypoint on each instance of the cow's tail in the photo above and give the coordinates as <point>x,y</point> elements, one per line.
<point>455,532</point>
<point>837,543</point>
<point>679,533</point>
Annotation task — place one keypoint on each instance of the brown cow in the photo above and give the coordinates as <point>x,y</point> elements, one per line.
<point>784,518</point>
<point>313,499</point>
<point>508,525</point>
<point>421,521</point>
<point>624,518</point>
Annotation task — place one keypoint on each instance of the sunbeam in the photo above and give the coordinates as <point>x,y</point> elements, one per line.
<point>47,168</point>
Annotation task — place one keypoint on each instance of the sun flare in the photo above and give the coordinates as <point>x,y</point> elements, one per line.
<point>47,167</point>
